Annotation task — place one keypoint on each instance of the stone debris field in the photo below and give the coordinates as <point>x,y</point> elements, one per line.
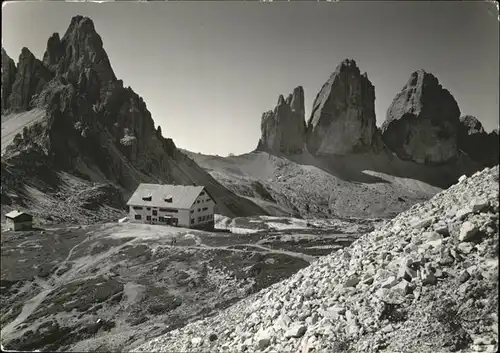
<point>425,281</point>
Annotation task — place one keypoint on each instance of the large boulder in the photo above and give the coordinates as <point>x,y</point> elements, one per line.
<point>283,129</point>
<point>476,142</point>
<point>8,78</point>
<point>422,121</point>
<point>343,114</point>
<point>31,76</point>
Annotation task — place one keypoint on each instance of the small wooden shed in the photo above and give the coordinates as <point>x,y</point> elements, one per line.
<point>16,220</point>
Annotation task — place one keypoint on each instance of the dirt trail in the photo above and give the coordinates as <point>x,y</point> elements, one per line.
<point>32,304</point>
<point>301,256</point>
<point>28,308</point>
<point>82,264</point>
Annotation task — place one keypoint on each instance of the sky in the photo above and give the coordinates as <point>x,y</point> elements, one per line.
<point>208,70</point>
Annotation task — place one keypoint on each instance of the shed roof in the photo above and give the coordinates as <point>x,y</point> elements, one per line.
<point>183,196</point>
<point>17,214</point>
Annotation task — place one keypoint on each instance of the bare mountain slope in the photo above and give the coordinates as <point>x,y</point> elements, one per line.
<point>108,287</point>
<point>423,282</point>
<point>82,120</point>
<point>357,185</point>
<point>13,124</point>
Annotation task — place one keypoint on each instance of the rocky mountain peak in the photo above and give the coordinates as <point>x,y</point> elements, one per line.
<point>343,114</point>
<point>474,141</point>
<point>26,56</point>
<point>92,122</point>
<point>297,101</point>
<point>472,125</point>
<point>281,100</point>
<point>8,77</point>
<point>30,77</point>
<point>54,52</point>
<point>422,108</point>
<point>348,65</point>
<point>83,48</point>
<point>283,128</point>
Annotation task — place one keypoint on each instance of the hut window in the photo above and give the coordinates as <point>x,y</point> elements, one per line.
<point>169,210</point>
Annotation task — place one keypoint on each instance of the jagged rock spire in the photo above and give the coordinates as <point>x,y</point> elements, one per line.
<point>54,52</point>
<point>474,141</point>
<point>283,129</point>
<point>80,48</point>
<point>343,113</point>
<point>8,77</point>
<point>422,108</point>
<point>31,76</point>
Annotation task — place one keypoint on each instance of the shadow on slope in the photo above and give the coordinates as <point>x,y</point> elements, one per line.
<point>52,195</point>
<point>358,185</point>
<point>13,124</point>
<point>49,146</point>
<point>358,168</point>
<point>342,167</point>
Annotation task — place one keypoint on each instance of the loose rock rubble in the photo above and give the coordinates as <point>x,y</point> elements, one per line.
<point>426,281</point>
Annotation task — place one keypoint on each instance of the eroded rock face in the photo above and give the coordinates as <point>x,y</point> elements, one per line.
<point>422,121</point>
<point>477,143</point>
<point>283,129</point>
<point>83,49</point>
<point>54,53</point>
<point>343,113</point>
<point>8,77</point>
<point>95,123</point>
<point>31,76</point>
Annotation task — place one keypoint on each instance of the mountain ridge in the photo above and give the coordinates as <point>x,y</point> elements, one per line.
<point>350,167</point>
<point>97,130</point>
<point>93,125</point>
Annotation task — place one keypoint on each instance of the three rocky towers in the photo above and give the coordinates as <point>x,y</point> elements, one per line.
<point>422,125</point>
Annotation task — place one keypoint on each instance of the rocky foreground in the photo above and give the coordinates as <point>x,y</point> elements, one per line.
<point>109,287</point>
<point>426,281</point>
